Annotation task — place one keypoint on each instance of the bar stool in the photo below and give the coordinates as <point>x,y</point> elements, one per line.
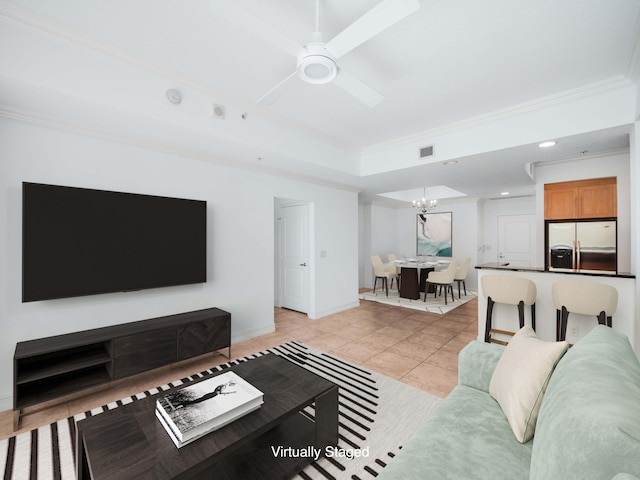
<point>512,291</point>
<point>586,298</point>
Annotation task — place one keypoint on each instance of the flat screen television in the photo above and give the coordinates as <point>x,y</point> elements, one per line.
<point>79,241</point>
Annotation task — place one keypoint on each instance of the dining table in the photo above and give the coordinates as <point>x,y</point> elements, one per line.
<point>413,276</point>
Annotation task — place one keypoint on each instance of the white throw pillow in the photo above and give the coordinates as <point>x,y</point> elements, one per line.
<point>521,377</point>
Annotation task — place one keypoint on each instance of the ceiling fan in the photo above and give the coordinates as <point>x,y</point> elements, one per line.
<point>317,60</point>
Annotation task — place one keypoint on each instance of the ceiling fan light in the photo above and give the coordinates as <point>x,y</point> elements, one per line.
<point>316,65</point>
<point>317,69</point>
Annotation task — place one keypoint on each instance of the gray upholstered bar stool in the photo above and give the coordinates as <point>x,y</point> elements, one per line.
<point>512,291</point>
<point>586,298</point>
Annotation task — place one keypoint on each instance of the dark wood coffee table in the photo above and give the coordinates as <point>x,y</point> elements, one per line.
<point>130,443</point>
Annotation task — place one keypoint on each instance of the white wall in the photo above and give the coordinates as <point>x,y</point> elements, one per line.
<point>634,175</point>
<point>334,279</point>
<point>613,165</point>
<point>378,237</point>
<point>364,245</point>
<point>491,210</point>
<point>384,235</point>
<point>240,255</point>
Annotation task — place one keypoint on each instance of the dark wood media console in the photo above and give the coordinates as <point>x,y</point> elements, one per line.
<point>48,368</point>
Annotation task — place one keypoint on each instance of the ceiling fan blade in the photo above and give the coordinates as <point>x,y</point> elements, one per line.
<point>358,89</point>
<point>265,98</point>
<point>379,18</point>
<point>230,12</point>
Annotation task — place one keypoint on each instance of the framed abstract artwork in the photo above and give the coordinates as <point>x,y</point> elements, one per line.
<point>433,234</point>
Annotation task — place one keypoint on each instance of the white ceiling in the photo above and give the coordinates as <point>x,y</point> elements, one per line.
<point>451,60</point>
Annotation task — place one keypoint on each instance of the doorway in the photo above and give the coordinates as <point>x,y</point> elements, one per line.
<point>292,255</point>
<point>516,239</point>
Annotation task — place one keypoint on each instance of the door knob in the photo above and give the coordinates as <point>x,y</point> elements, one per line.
<point>303,264</point>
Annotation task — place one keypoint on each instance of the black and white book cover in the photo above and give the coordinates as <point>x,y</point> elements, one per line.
<point>203,407</point>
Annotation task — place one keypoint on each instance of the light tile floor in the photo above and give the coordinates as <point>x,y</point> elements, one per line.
<point>420,349</point>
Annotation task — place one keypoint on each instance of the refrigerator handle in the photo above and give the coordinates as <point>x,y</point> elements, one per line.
<point>578,266</point>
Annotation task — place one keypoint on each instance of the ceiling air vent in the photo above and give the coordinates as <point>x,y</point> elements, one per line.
<point>426,151</point>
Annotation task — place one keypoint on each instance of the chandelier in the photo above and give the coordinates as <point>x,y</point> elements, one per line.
<point>424,205</point>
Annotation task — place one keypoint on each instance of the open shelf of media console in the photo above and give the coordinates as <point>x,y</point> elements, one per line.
<point>52,367</point>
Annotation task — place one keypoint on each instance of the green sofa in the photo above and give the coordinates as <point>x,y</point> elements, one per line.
<point>588,426</point>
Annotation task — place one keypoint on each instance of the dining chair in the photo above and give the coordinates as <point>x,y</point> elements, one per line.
<point>393,258</point>
<point>443,278</point>
<point>461,275</point>
<point>385,272</point>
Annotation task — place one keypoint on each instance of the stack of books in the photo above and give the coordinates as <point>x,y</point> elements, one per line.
<point>196,410</point>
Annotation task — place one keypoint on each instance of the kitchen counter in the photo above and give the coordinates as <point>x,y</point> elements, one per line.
<point>505,317</point>
<point>513,268</point>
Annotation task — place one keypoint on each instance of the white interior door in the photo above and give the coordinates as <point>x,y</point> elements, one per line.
<point>516,239</point>
<point>294,257</point>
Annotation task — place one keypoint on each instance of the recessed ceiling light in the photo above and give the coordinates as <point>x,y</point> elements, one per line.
<point>547,144</point>
<point>504,193</point>
<point>450,162</point>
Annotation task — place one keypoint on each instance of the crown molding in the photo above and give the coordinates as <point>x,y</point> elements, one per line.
<point>510,197</point>
<point>404,205</point>
<point>586,156</point>
<point>28,19</point>
<point>444,202</point>
<point>429,135</point>
<point>163,147</point>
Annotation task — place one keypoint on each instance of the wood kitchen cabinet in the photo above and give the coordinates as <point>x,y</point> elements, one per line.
<point>595,198</point>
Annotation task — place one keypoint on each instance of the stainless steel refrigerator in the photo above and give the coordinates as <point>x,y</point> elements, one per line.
<point>584,245</point>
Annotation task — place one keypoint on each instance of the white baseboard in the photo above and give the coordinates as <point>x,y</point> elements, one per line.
<point>6,402</point>
<point>252,333</point>
<point>323,313</point>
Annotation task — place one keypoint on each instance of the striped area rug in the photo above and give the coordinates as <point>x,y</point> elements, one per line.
<point>377,414</point>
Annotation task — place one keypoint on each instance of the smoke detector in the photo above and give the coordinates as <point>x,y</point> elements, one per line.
<point>218,111</point>
<point>174,96</point>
